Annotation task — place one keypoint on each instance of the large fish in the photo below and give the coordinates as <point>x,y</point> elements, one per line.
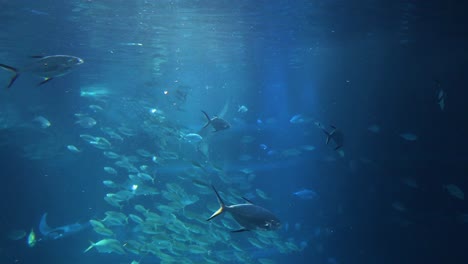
<point>61,231</point>
<point>216,122</point>
<point>248,215</point>
<point>47,67</point>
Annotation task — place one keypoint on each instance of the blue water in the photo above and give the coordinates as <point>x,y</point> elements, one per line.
<point>372,69</point>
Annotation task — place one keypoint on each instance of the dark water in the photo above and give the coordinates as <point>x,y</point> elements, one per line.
<point>350,64</point>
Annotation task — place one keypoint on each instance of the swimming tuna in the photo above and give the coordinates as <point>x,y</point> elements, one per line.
<point>47,67</point>
<point>216,122</point>
<point>248,215</point>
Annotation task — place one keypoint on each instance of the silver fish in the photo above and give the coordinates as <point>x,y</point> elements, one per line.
<point>248,215</point>
<point>47,67</point>
<point>216,122</point>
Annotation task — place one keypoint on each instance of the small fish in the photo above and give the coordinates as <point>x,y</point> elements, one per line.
<point>242,109</point>
<point>32,238</point>
<point>262,194</point>
<point>216,122</point>
<point>410,182</point>
<point>299,119</point>
<point>95,108</point>
<point>305,194</point>
<point>43,122</point>
<point>374,129</point>
<point>336,136</point>
<point>409,136</point>
<point>455,191</point>
<point>248,215</point>
<point>86,122</point>
<point>73,149</point>
<point>308,147</point>
<point>441,96</point>
<point>398,206</point>
<point>17,234</point>
<point>110,184</point>
<point>47,67</point>
<point>110,170</point>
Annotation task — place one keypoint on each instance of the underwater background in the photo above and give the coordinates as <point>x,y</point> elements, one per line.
<point>347,120</point>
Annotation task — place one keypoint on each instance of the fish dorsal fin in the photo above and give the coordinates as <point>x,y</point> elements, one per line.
<point>250,202</point>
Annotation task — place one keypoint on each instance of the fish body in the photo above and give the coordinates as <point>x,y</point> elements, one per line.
<point>409,136</point>
<point>73,149</point>
<point>299,119</point>
<point>248,215</point>
<point>47,67</point>
<point>242,109</point>
<point>216,122</point>
<point>305,194</point>
<point>455,191</point>
<point>43,122</point>
<point>50,233</point>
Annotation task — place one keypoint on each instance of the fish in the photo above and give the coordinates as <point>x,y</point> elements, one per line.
<point>73,149</point>
<point>374,128</point>
<point>300,119</point>
<point>50,233</point>
<point>32,238</point>
<point>216,122</point>
<point>46,67</point>
<point>441,96</point>
<point>455,191</point>
<point>336,136</point>
<point>242,109</point>
<point>107,246</point>
<point>409,136</point>
<point>43,122</point>
<point>17,234</point>
<point>305,194</point>
<point>86,122</point>
<point>248,215</point>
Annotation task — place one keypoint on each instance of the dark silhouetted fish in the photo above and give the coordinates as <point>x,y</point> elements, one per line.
<point>248,215</point>
<point>216,122</point>
<point>61,231</point>
<point>47,67</point>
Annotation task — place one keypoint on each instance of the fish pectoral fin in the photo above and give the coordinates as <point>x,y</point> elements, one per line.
<point>90,247</point>
<point>215,214</point>
<point>240,230</point>
<point>47,79</point>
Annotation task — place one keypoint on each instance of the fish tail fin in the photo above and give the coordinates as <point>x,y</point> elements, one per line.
<point>12,69</point>
<point>90,247</point>
<point>329,134</point>
<point>208,118</point>
<point>44,228</point>
<point>221,205</point>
